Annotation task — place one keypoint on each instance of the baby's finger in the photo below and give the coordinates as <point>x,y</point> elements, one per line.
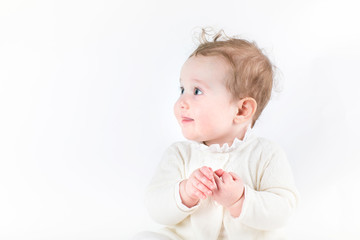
<point>202,189</point>
<point>204,180</point>
<point>218,181</point>
<point>192,189</point>
<point>196,192</point>
<point>201,195</point>
<point>219,172</point>
<point>207,172</point>
<point>234,176</point>
<point>226,177</point>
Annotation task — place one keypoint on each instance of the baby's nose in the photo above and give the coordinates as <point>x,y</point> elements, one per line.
<point>184,104</point>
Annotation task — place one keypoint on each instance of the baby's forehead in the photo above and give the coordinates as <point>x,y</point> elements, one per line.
<point>203,82</point>
<point>205,68</point>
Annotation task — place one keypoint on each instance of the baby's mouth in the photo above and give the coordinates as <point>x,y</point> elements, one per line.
<point>186,119</point>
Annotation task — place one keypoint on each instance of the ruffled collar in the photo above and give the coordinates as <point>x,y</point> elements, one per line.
<point>216,148</point>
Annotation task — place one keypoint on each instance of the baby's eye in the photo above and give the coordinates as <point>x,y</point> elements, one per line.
<point>181,90</point>
<point>198,91</point>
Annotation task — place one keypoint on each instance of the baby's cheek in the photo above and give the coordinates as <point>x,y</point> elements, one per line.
<point>176,110</point>
<point>207,125</point>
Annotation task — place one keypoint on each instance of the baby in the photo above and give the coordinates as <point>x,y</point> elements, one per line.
<point>225,183</point>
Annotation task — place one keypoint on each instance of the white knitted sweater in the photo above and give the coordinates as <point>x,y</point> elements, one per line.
<point>270,193</point>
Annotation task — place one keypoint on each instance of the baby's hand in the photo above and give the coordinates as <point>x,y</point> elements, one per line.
<point>198,186</point>
<point>230,188</point>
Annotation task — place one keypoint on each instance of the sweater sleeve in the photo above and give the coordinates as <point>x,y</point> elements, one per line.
<point>269,206</point>
<point>162,194</point>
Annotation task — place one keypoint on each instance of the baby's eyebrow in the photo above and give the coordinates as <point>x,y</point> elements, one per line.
<point>198,81</point>
<point>202,83</point>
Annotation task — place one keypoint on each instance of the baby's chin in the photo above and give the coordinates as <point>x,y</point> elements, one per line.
<point>191,137</point>
<point>202,140</point>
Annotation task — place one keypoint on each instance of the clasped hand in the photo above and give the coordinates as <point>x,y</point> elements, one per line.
<point>226,188</point>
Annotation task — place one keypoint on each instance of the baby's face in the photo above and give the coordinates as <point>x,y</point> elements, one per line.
<point>205,110</point>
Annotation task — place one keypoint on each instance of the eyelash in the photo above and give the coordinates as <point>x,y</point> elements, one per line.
<point>196,90</point>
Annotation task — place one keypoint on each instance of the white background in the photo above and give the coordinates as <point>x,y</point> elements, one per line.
<point>86,96</point>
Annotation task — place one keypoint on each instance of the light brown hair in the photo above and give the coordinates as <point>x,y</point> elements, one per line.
<point>252,71</point>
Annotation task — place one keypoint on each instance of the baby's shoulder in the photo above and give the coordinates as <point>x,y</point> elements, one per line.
<point>180,147</point>
<point>267,146</point>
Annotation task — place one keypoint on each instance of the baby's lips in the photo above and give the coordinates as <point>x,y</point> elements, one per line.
<point>186,118</point>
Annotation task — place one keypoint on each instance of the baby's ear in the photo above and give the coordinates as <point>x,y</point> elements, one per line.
<point>246,110</point>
